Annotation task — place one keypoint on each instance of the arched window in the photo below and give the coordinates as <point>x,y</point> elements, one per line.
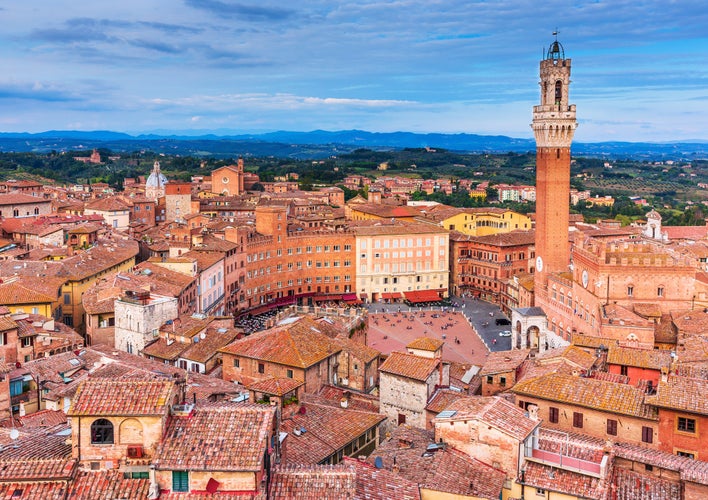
<point>559,91</point>
<point>101,432</point>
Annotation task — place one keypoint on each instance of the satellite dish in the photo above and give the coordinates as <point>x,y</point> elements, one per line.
<point>14,434</point>
<point>378,463</point>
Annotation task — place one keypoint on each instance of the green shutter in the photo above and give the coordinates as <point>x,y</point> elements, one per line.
<point>180,480</point>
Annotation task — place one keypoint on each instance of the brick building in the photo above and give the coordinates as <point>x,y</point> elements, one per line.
<point>483,266</point>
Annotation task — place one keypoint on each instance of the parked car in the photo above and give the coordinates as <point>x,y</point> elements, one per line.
<point>505,333</point>
<point>502,321</point>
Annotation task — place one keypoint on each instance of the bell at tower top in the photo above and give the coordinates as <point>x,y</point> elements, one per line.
<point>555,51</point>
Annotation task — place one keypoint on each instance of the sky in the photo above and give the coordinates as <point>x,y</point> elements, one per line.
<point>639,67</point>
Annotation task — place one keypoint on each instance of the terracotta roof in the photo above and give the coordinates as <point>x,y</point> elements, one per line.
<point>204,259</point>
<point>108,204</point>
<point>298,343</point>
<point>426,344</point>
<point>206,348</point>
<point>167,351</point>
<point>120,364</point>
<point>37,457</point>
<point>380,228</point>
<point>352,479</point>
<point>328,429</point>
<point>590,393</point>
<point>21,199</point>
<point>564,481</point>
<point>627,483</point>
<point>16,293</point>
<point>494,411</point>
<point>681,393</point>
<point>445,470</point>
<point>43,418</point>
<point>442,398</point>
<point>103,484</point>
<point>122,397</point>
<point>332,395</point>
<point>504,361</point>
<point>217,437</point>
<point>360,351</point>
<point>652,359</point>
<point>409,366</point>
<point>691,470</point>
<point>50,490</point>
<point>275,386</point>
<point>326,482</point>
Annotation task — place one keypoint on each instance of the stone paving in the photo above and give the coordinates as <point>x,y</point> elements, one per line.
<point>393,330</point>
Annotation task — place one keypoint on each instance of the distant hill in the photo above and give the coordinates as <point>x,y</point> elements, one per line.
<point>320,144</point>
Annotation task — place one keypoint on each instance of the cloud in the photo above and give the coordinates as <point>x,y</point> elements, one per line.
<point>157,46</point>
<point>36,91</point>
<point>247,12</point>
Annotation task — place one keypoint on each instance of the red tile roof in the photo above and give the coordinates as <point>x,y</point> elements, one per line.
<point>494,411</point>
<point>299,343</point>
<point>217,437</point>
<point>122,397</point>
<point>37,458</point>
<point>409,366</point>
<point>328,429</point>
<point>104,484</point>
<point>590,393</point>
<point>681,393</point>
<point>445,470</point>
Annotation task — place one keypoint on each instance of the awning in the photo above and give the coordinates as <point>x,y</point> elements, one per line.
<point>349,297</point>
<point>363,295</point>
<point>261,309</point>
<point>422,296</point>
<point>394,295</point>
<point>283,301</point>
<point>330,296</point>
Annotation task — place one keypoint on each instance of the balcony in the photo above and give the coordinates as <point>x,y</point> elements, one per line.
<point>558,449</point>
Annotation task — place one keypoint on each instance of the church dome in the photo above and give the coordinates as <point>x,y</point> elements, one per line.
<point>156,179</point>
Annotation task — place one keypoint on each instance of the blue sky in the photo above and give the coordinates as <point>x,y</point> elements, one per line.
<point>640,68</point>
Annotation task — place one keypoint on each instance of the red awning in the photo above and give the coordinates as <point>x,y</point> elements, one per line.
<point>422,296</point>
<point>393,295</point>
<point>349,297</point>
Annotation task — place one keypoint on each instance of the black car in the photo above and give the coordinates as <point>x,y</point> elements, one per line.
<point>502,321</point>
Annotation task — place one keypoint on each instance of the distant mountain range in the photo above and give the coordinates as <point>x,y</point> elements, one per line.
<point>320,143</point>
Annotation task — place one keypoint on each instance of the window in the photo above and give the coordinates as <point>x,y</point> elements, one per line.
<point>502,381</point>
<point>290,374</point>
<point>611,427</point>
<point>577,420</point>
<point>180,480</point>
<point>67,298</point>
<point>685,454</point>
<point>660,291</point>
<point>261,368</point>
<point>630,291</point>
<point>490,379</point>
<point>101,432</point>
<point>684,424</point>
<point>647,435</point>
<point>553,415</point>
<point>237,363</point>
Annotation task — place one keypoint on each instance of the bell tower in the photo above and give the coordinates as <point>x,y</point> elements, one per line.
<point>553,126</point>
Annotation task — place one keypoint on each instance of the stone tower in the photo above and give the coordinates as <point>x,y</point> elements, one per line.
<point>553,126</point>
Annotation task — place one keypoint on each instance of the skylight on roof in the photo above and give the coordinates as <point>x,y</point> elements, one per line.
<point>74,362</point>
<point>447,414</point>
